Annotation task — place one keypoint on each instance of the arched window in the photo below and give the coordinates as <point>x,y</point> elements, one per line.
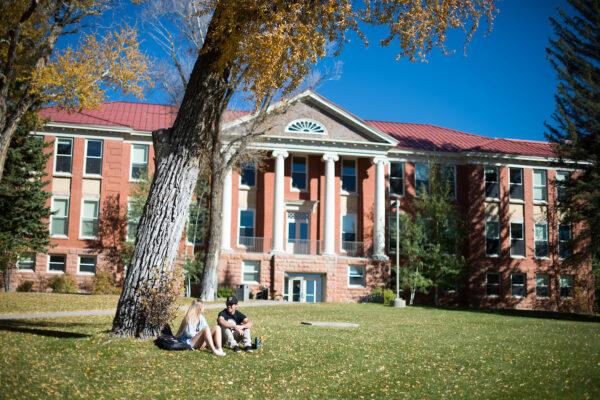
<point>305,125</point>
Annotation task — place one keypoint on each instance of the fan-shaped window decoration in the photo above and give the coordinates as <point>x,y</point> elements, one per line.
<point>305,125</point>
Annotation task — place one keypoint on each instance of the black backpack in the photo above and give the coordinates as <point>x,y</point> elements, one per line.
<point>167,341</point>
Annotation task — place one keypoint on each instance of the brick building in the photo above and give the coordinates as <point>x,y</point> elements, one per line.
<point>312,224</point>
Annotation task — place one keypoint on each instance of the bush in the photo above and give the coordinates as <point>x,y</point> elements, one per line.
<point>25,286</point>
<point>104,283</point>
<point>64,284</point>
<point>224,292</point>
<point>381,296</point>
<point>159,300</point>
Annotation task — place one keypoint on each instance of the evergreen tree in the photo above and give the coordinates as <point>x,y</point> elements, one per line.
<point>575,130</point>
<point>23,211</point>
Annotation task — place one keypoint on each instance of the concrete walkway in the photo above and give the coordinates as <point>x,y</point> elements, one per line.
<point>93,313</point>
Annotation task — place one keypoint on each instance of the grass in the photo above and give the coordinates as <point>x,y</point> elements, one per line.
<point>17,303</point>
<point>409,353</point>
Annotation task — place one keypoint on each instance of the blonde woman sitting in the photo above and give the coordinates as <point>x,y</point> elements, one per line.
<point>195,332</point>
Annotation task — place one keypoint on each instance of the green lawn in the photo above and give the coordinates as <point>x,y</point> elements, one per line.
<point>409,353</point>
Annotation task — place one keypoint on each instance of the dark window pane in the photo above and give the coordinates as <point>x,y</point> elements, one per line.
<point>63,164</point>
<point>64,147</point>
<point>299,180</point>
<point>248,175</point>
<point>516,231</point>
<point>57,263</point>
<point>94,148</point>
<point>516,192</point>
<point>492,246</point>
<point>138,171</point>
<point>93,166</point>
<point>566,292</point>
<point>396,186</point>
<point>516,176</point>
<point>349,183</point>
<point>492,189</point>
<point>541,249</point>
<point>517,247</point>
<point>87,264</point>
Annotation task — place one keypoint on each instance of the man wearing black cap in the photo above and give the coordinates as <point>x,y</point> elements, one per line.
<point>235,326</point>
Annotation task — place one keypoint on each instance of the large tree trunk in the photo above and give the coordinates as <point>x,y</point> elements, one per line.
<point>212,255</point>
<point>177,167</point>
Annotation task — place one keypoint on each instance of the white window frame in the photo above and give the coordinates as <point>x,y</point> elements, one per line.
<point>68,209</point>
<point>56,140</point>
<point>499,284</point>
<point>131,178</point>
<point>292,188</point>
<point>510,183</point>
<point>535,240</point>
<point>547,286</point>
<point>562,182</point>
<point>48,264</point>
<point>27,270</point>
<point>544,186</point>
<point>428,178</point>
<point>79,271</point>
<point>243,185</point>
<point>523,238</point>
<point>354,217</point>
<point>247,263</point>
<point>353,160</point>
<point>402,179</point>
<point>240,223</point>
<point>497,182</point>
<point>362,276</point>
<point>81,217</point>
<point>524,285</point>
<point>497,221</point>
<point>85,158</point>
<point>563,242</point>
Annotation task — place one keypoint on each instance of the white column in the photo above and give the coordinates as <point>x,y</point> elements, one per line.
<point>329,227</point>
<point>226,219</point>
<point>379,232</point>
<point>278,203</point>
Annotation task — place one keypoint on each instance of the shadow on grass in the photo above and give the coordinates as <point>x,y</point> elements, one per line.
<point>35,328</point>
<point>526,313</point>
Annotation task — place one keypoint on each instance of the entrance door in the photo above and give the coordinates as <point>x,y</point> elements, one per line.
<point>298,242</point>
<point>303,288</point>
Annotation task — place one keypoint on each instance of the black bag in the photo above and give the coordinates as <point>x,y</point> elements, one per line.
<point>167,341</point>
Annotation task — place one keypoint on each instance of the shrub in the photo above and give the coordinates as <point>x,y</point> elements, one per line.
<point>382,296</point>
<point>224,292</point>
<point>25,286</point>
<point>64,284</point>
<point>104,283</point>
<point>159,299</point>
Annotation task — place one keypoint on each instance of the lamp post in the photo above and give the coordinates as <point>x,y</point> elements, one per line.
<point>398,302</point>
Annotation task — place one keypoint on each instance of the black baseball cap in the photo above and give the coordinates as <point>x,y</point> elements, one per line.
<point>231,300</point>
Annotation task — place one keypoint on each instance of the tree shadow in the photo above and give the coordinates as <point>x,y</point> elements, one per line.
<point>35,328</point>
<point>559,316</point>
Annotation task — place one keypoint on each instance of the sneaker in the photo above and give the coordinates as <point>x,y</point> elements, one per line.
<point>236,348</point>
<point>219,352</point>
<point>248,349</point>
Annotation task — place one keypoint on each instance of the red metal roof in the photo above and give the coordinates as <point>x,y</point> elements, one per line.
<point>424,137</point>
<point>137,116</point>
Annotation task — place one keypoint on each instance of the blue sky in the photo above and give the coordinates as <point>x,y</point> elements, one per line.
<point>502,87</point>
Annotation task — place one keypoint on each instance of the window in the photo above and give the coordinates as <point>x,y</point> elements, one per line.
<point>305,126</point>
<point>89,218</point>
<point>133,219</point>
<point>57,263</point>
<point>492,238</point>
<point>542,285</point>
<point>248,175</point>
<point>566,286</point>
<point>87,265</point>
<point>26,262</point>
<point>517,242</point>
<point>63,155</point>
<point>492,187</point>
<point>397,178</point>
<point>246,223</point>
<point>518,285</point>
<point>516,183</point>
<point>562,179</point>
<point>349,228</point>
<point>59,224</point>
<point>93,157</point>
<point>564,241</point>
<point>349,176</point>
<point>251,271</point>
<point>421,178</point>
<point>139,161</point>
<point>449,175</point>
<point>540,189</point>
<point>299,173</point>
<point>540,237</point>
<point>356,276</point>
<point>492,284</point>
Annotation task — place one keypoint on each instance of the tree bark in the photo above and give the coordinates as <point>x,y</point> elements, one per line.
<point>177,160</point>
